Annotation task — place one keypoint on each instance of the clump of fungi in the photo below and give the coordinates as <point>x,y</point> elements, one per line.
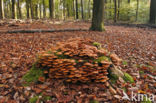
<point>77,60</point>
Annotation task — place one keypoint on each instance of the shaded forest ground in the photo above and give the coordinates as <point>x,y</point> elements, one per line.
<point>134,45</point>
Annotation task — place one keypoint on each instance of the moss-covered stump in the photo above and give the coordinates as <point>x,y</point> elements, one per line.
<point>76,60</point>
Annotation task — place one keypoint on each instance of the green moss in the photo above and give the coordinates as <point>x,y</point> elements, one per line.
<point>146,100</point>
<point>94,101</point>
<point>141,72</point>
<point>49,52</point>
<point>128,78</point>
<point>33,99</point>
<point>125,89</point>
<point>102,58</point>
<point>113,78</point>
<point>125,63</point>
<point>98,45</point>
<point>46,98</point>
<point>32,75</point>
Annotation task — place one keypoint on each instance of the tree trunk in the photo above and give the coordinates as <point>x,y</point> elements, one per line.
<point>64,10</point>
<point>137,10</point>
<point>74,9</point>
<point>128,13</point>
<point>40,9</point>
<point>7,12</point>
<point>13,9</point>
<point>82,10</point>
<point>77,11</point>
<point>1,10</point>
<point>44,9</point>
<point>110,12</point>
<point>118,9</point>
<point>19,9</point>
<point>153,12</point>
<point>68,10</point>
<point>89,3</point>
<point>27,7</point>
<point>32,10</point>
<point>51,8</point>
<point>98,15</point>
<point>36,11</point>
<point>115,11</point>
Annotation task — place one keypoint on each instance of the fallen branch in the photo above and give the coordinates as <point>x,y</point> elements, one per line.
<point>42,30</point>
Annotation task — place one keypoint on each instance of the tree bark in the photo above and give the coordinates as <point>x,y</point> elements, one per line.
<point>32,10</point>
<point>152,12</point>
<point>64,10</point>
<point>44,9</point>
<point>77,12</point>
<point>74,9</point>
<point>89,3</point>
<point>110,12</point>
<point>40,9</point>
<point>137,10</point>
<point>115,11</point>
<point>19,9</point>
<point>118,9</point>
<point>51,8</point>
<point>1,10</point>
<point>82,10</point>
<point>98,15</point>
<point>27,7</point>
<point>13,9</point>
<point>36,11</point>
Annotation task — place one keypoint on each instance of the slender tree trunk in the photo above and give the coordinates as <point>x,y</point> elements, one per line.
<point>110,12</point>
<point>68,10</point>
<point>82,9</point>
<point>7,10</point>
<point>32,10</point>
<point>44,9</point>
<point>51,8</point>
<point>128,13</point>
<point>19,9</point>
<point>1,10</point>
<point>74,9</point>
<point>77,11</point>
<point>153,12</point>
<point>40,9</point>
<point>98,15</point>
<point>27,7</point>
<point>89,3</point>
<point>118,9</point>
<point>137,10</point>
<point>13,9</point>
<point>36,11</point>
<point>115,11</point>
<point>64,10</point>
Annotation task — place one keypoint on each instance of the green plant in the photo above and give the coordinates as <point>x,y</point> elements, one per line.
<point>33,99</point>
<point>46,98</point>
<point>128,78</point>
<point>125,63</point>
<point>94,101</point>
<point>113,77</point>
<point>141,72</point>
<point>33,75</point>
<point>102,58</point>
<point>98,45</point>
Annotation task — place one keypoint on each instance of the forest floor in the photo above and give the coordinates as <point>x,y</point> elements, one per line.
<point>136,46</point>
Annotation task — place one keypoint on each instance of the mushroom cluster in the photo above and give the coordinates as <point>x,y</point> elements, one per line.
<point>77,60</point>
